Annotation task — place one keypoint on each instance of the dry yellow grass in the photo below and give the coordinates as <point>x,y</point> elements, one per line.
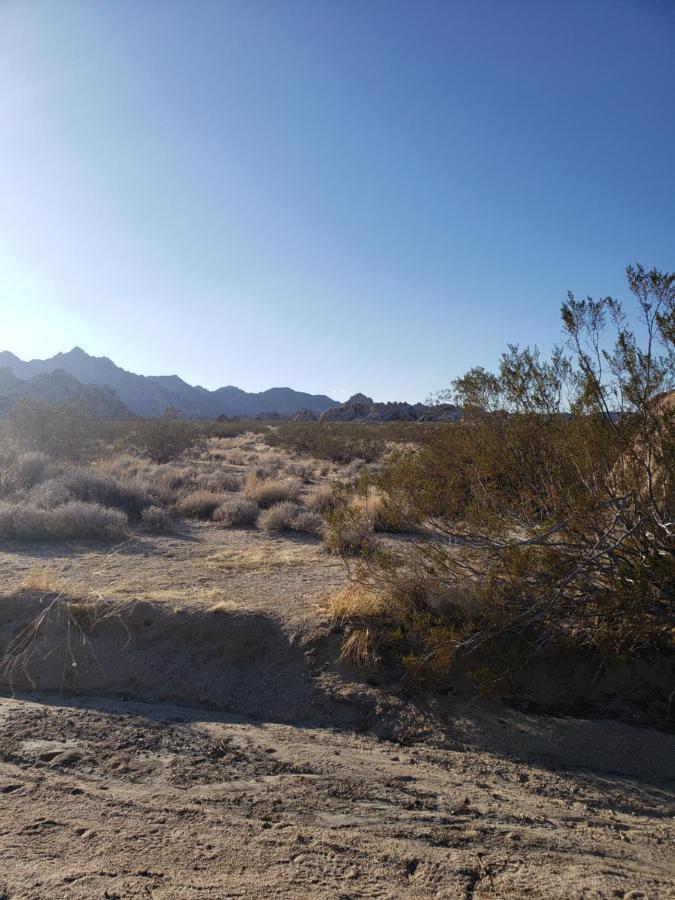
<point>355,601</point>
<point>268,491</point>
<point>42,581</point>
<point>266,556</point>
<point>360,649</point>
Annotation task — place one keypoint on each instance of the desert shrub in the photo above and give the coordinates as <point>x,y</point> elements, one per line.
<point>268,491</point>
<point>161,481</point>
<point>548,512</point>
<point>279,517</point>
<point>91,487</point>
<point>301,470</point>
<point>308,522</point>
<point>21,470</point>
<point>381,512</point>
<point>320,499</point>
<point>352,469</point>
<point>289,516</point>
<point>199,504</point>
<point>268,468</point>
<point>348,532</point>
<point>220,481</point>
<point>236,511</point>
<point>169,480</point>
<point>20,522</point>
<point>162,440</point>
<point>87,520</point>
<point>157,519</point>
<point>49,494</point>
<point>339,442</point>
<point>61,431</point>
<point>235,458</point>
<point>71,521</point>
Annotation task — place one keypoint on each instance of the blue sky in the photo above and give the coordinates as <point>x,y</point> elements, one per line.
<point>335,196</point>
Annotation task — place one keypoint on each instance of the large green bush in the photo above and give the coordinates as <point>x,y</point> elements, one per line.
<point>552,505</point>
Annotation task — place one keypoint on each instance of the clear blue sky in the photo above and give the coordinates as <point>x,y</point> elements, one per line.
<point>337,196</point>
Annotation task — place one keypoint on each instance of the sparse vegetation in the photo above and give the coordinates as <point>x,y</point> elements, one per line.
<point>268,491</point>
<point>340,443</point>
<point>542,520</point>
<point>60,431</point>
<point>289,516</point>
<point>236,512</point>
<point>199,504</point>
<point>73,520</point>
<point>550,508</point>
<point>156,519</point>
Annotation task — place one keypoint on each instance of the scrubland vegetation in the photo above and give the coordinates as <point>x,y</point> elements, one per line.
<point>547,516</point>
<point>541,523</point>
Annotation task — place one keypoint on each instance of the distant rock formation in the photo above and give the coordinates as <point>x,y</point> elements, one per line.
<point>304,415</point>
<point>360,408</point>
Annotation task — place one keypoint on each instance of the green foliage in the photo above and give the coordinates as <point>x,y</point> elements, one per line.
<point>549,510</point>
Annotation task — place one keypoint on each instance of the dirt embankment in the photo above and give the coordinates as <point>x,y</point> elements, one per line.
<point>314,782</point>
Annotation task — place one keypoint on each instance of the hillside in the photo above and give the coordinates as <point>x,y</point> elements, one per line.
<point>98,401</point>
<point>150,395</point>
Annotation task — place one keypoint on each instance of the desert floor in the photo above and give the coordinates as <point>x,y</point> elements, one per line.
<point>199,740</point>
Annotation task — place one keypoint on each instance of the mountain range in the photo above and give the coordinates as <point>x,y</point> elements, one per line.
<point>107,390</point>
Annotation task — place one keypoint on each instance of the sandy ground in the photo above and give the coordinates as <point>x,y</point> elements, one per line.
<point>107,799</point>
<point>306,781</point>
<point>284,576</point>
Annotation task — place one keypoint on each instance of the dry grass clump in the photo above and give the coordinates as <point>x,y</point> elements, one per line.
<point>199,504</point>
<point>353,469</point>
<point>361,648</point>
<point>19,471</point>
<point>268,491</point>
<point>49,494</point>
<point>289,516</point>
<point>122,465</point>
<point>363,611</point>
<point>70,521</point>
<point>68,611</point>
<point>92,487</point>
<point>220,481</point>
<point>356,601</point>
<point>156,519</point>
<point>42,581</point>
<point>236,512</point>
<point>235,458</point>
<point>381,515</point>
<point>303,471</point>
<point>413,620</point>
<point>268,468</point>
<point>320,499</point>
<point>164,481</point>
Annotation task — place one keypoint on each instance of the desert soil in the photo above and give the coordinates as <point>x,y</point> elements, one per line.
<point>280,775</point>
<point>111,799</point>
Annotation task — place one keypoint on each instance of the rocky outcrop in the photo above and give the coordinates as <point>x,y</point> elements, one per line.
<point>305,415</point>
<point>360,408</point>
